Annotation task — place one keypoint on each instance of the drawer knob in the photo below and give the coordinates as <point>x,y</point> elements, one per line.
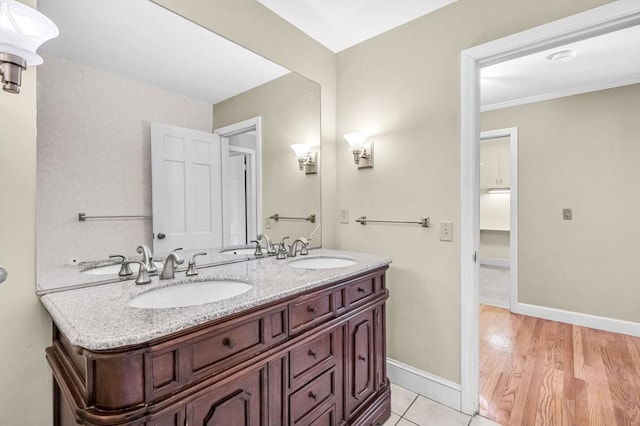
<point>361,290</point>
<point>312,353</point>
<point>313,396</point>
<point>312,309</point>
<point>229,343</point>
<point>361,358</point>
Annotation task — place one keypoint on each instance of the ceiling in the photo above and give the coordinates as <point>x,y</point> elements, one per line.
<point>601,62</point>
<point>171,52</point>
<point>340,24</point>
<point>142,41</point>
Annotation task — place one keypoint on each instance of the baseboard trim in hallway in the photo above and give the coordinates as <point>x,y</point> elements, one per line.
<point>426,384</point>
<point>576,318</point>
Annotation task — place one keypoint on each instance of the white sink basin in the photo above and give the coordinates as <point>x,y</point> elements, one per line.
<point>321,263</point>
<point>240,251</point>
<point>114,269</point>
<point>190,294</point>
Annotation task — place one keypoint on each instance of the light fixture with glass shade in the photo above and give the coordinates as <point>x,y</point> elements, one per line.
<point>22,31</point>
<point>307,160</point>
<point>362,150</point>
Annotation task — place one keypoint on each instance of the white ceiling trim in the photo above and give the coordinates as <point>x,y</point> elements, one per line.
<point>563,93</point>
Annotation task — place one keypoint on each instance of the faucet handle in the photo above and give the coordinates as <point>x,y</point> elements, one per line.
<point>304,249</point>
<point>258,251</point>
<point>125,270</point>
<point>143,273</point>
<point>192,270</point>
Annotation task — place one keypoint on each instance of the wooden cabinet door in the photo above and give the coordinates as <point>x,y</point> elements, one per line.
<point>237,403</point>
<point>361,359</point>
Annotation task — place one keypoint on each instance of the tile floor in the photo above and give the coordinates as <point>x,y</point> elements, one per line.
<point>410,409</point>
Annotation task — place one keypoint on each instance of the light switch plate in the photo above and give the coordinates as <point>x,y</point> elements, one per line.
<point>446,231</point>
<point>344,214</point>
<point>267,223</point>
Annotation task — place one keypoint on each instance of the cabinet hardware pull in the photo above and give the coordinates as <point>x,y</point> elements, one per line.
<point>361,358</point>
<point>229,343</point>
<point>313,396</point>
<point>312,353</point>
<point>361,290</point>
<point>311,309</point>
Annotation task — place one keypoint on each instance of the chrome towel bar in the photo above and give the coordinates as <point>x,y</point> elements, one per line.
<point>311,218</point>
<point>424,221</point>
<point>82,217</point>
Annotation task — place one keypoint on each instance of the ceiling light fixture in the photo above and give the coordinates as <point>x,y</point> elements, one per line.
<point>22,31</point>
<point>562,56</point>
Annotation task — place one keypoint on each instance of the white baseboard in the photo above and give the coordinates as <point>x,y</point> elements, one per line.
<point>428,385</point>
<point>489,261</point>
<point>576,318</point>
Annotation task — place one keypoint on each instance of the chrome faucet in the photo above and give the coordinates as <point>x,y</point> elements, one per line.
<point>293,249</point>
<point>125,270</point>
<point>169,268</point>
<point>192,270</point>
<point>282,249</point>
<point>258,252</point>
<point>143,273</point>
<point>270,248</point>
<point>147,258</point>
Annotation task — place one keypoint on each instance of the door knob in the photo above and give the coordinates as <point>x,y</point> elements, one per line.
<point>161,236</point>
<point>3,275</point>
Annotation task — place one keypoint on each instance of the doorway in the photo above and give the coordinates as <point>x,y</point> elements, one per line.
<point>594,22</point>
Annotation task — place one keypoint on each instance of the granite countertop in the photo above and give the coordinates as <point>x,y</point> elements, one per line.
<point>99,318</point>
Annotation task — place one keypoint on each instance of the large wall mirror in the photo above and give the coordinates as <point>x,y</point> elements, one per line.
<point>163,133</point>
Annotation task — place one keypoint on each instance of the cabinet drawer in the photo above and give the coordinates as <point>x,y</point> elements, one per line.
<point>327,418</point>
<point>307,311</point>
<point>311,355</point>
<point>216,347</point>
<point>318,391</point>
<point>360,290</point>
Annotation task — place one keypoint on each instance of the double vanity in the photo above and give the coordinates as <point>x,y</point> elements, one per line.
<point>265,341</point>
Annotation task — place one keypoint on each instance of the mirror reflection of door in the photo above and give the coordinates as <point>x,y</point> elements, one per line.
<point>237,189</point>
<point>186,187</point>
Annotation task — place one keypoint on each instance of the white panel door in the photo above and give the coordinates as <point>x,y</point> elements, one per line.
<point>187,188</point>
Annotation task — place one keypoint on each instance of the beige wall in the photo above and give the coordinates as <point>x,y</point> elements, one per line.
<point>580,152</point>
<point>403,87</point>
<point>290,111</point>
<point>94,156</point>
<point>25,327</point>
<point>495,244</point>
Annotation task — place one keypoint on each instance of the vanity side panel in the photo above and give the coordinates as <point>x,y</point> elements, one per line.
<point>119,382</point>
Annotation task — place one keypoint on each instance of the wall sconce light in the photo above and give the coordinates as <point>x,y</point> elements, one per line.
<point>307,160</point>
<point>22,31</point>
<point>362,151</point>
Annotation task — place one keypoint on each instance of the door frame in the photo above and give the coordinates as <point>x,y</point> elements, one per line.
<point>512,134</point>
<point>593,22</point>
<point>225,132</point>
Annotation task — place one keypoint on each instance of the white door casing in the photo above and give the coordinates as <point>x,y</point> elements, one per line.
<point>236,204</point>
<point>186,188</point>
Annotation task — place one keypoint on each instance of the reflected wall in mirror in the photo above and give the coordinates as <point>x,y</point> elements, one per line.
<point>100,89</point>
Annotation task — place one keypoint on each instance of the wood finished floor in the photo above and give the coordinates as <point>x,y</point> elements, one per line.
<point>540,372</point>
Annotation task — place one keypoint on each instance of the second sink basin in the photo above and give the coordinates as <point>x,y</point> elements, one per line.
<point>321,263</point>
<point>190,294</point>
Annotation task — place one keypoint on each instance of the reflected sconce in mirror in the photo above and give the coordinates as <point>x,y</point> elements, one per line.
<point>22,31</point>
<point>307,160</point>
<point>362,150</point>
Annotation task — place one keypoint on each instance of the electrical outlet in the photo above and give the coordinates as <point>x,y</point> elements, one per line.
<point>446,231</point>
<point>344,214</point>
<point>567,214</point>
